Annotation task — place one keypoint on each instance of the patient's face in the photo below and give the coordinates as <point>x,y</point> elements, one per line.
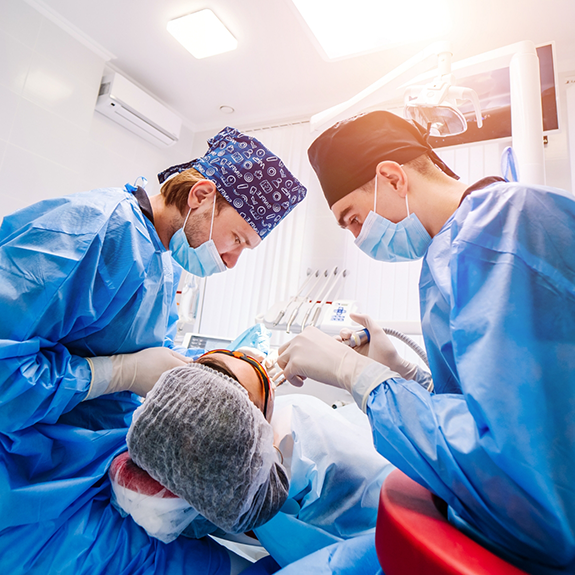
<point>246,375</point>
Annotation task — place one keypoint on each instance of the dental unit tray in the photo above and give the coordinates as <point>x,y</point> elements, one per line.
<point>313,305</point>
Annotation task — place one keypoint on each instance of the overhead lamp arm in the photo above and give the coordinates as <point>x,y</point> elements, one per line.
<point>378,91</point>
<point>526,112</point>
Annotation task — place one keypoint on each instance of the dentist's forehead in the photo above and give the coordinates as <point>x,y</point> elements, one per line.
<point>345,156</point>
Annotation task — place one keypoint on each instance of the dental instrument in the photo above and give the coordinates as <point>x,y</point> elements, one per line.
<point>309,294</point>
<point>362,337</point>
<point>306,283</point>
<point>326,288</point>
<point>358,338</point>
<point>319,309</point>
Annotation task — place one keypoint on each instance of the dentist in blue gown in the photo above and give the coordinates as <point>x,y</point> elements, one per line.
<point>87,288</point>
<point>496,440</point>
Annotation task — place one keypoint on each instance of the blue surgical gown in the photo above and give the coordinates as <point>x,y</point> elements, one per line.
<point>335,477</point>
<point>80,276</point>
<point>497,440</point>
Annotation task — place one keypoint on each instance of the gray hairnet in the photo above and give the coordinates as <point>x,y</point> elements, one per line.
<point>199,435</point>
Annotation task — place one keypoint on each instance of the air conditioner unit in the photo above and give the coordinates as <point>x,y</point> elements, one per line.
<point>129,106</point>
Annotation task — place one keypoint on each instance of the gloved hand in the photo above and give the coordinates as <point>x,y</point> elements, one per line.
<point>316,355</point>
<point>380,347</point>
<point>136,372</point>
<point>268,361</point>
<point>275,373</point>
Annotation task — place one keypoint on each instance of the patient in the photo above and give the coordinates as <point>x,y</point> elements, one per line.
<point>334,471</point>
<point>200,435</point>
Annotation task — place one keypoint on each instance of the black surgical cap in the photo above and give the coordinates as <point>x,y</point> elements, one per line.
<point>345,156</point>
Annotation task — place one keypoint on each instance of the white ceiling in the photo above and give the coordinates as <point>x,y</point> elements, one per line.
<point>276,75</point>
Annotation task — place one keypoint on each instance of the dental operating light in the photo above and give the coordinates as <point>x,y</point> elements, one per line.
<point>525,94</point>
<point>434,106</point>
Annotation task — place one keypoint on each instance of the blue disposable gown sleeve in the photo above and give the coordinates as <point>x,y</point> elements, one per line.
<point>172,328</point>
<point>39,380</point>
<point>501,454</point>
<point>59,283</point>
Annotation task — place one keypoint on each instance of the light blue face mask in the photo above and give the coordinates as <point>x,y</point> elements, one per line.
<point>202,261</point>
<point>385,241</point>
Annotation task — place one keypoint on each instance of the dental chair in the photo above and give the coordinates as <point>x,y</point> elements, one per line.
<point>413,536</point>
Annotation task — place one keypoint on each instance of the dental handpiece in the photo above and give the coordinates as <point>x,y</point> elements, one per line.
<point>358,338</point>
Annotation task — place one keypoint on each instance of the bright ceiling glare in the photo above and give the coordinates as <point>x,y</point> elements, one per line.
<point>202,34</point>
<point>343,28</point>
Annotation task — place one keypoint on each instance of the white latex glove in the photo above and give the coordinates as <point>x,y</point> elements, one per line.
<point>380,347</point>
<point>269,362</point>
<point>275,373</point>
<point>318,356</point>
<point>137,372</point>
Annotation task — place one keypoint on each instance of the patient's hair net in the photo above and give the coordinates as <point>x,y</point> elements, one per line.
<point>199,435</point>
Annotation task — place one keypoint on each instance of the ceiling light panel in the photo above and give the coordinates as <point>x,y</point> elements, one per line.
<point>343,28</point>
<point>202,34</point>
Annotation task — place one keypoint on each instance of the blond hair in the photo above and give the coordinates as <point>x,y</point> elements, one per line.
<point>176,190</point>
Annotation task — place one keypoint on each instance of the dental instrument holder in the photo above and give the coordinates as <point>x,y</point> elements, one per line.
<point>323,292</point>
<point>329,290</point>
<point>329,316</point>
<point>321,279</point>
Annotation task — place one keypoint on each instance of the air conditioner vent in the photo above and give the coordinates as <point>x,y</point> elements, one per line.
<point>128,105</point>
<point>104,88</point>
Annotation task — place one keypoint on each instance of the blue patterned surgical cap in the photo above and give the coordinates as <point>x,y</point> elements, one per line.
<point>249,176</point>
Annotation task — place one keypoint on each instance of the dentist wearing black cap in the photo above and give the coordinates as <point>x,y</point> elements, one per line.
<point>497,298</point>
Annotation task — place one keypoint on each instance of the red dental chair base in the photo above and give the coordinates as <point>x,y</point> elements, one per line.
<point>413,538</point>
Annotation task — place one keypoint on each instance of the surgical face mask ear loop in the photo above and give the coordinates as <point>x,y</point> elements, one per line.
<point>375,199</point>
<point>185,222</point>
<point>213,214</point>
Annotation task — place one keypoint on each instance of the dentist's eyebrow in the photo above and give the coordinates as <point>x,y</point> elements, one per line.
<point>341,219</point>
<point>247,241</point>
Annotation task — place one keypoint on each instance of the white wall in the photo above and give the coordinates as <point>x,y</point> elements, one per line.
<point>51,141</point>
